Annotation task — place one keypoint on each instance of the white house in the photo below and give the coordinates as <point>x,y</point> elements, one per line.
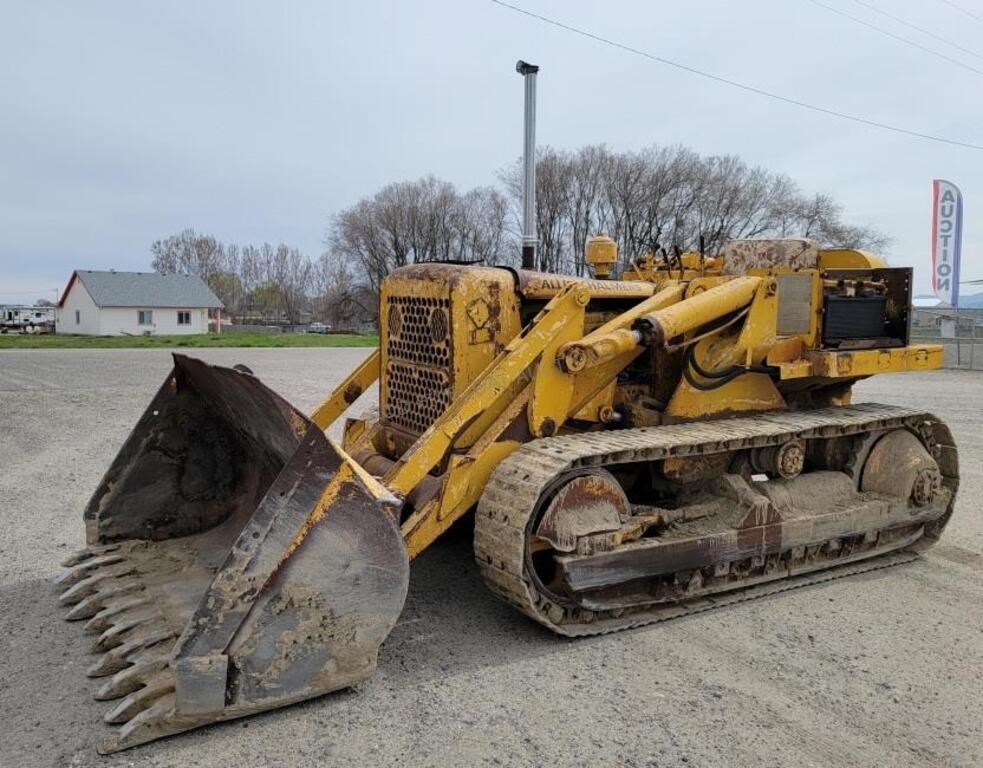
<point>114,303</point>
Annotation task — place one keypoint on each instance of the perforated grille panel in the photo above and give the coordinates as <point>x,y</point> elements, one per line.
<point>419,372</point>
<point>794,304</point>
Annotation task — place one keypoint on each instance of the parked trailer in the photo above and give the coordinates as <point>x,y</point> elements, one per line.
<point>27,319</point>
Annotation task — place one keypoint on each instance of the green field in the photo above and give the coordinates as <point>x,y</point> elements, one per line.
<point>66,341</point>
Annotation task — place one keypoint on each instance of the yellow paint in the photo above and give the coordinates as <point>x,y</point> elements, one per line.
<point>329,495</point>
<point>652,269</point>
<point>849,258</point>
<point>751,392</point>
<point>346,393</point>
<point>601,253</point>
<point>373,486</point>
<point>785,350</point>
<point>867,362</point>
<point>685,316</point>
<point>599,406</point>
<point>552,387</point>
<point>424,527</point>
<point>615,338</point>
<point>812,337</point>
<point>537,285</point>
<point>464,481</point>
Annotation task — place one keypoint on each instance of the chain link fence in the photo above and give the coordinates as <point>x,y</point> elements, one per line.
<point>960,331</point>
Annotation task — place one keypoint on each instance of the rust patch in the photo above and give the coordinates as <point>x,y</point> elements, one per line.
<point>478,313</point>
<point>743,255</point>
<point>690,468</point>
<point>518,429</point>
<point>352,392</point>
<point>587,504</point>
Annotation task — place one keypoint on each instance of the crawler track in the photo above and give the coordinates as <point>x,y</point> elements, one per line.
<point>509,506</point>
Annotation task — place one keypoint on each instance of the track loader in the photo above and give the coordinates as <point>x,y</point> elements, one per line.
<point>629,451</point>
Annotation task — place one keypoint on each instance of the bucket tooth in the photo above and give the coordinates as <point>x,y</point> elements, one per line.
<point>109,663</point>
<point>118,658</point>
<point>141,699</point>
<point>85,568</point>
<point>84,554</point>
<point>111,609</point>
<point>114,636</point>
<point>86,608</point>
<point>130,679</point>
<point>91,605</point>
<point>152,723</point>
<point>90,584</point>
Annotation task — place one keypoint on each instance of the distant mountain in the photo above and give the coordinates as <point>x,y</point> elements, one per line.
<point>972,301</point>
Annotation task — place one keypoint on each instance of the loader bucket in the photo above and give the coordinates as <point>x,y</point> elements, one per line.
<point>238,560</point>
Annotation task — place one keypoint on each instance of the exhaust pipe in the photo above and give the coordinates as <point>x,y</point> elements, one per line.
<point>529,240</point>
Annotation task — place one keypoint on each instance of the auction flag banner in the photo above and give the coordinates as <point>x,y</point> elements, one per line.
<point>947,235</point>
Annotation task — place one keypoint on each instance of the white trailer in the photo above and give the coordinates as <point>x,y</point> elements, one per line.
<point>21,319</point>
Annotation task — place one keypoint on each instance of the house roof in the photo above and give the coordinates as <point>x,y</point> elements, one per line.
<point>143,289</point>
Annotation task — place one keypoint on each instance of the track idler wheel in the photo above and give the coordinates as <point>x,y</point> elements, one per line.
<point>899,465</point>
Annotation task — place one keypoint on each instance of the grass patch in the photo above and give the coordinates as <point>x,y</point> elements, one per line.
<point>68,341</point>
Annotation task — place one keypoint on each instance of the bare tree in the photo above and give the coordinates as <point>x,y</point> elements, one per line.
<point>293,275</point>
<point>418,221</point>
<point>585,215</point>
<point>339,299</point>
<point>666,195</point>
<point>268,282</point>
<point>188,252</point>
<point>671,196</point>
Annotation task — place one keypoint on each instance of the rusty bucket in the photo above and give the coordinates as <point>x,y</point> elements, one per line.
<point>237,560</point>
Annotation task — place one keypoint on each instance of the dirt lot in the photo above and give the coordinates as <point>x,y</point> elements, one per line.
<point>880,669</point>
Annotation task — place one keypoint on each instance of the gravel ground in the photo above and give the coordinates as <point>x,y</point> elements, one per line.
<point>880,669</point>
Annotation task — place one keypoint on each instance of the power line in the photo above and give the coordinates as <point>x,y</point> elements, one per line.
<point>905,40</point>
<point>736,84</point>
<point>915,27</point>
<point>963,10</point>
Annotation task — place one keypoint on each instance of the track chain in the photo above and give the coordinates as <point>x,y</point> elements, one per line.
<point>510,499</point>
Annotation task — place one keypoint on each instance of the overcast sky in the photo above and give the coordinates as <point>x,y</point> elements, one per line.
<point>125,122</point>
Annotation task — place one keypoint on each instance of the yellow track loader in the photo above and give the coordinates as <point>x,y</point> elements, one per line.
<point>629,450</point>
<point>634,450</point>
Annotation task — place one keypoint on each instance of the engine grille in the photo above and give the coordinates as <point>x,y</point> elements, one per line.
<point>419,371</point>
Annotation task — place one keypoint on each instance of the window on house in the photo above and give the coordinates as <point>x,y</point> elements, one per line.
<point>184,318</point>
<point>78,317</point>
<point>145,317</point>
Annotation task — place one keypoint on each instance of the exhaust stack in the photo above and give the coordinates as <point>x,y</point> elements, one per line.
<point>529,240</point>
